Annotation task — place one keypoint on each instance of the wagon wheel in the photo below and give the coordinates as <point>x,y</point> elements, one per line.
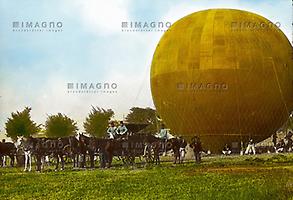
<point>150,156</point>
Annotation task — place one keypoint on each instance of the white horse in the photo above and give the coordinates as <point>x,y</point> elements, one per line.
<point>27,148</point>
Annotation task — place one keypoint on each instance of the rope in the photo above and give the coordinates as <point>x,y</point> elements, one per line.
<point>238,102</point>
<point>282,95</point>
<point>142,84</point>
<point>279,86</point>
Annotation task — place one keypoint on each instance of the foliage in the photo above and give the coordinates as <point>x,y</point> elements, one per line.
<point>97,121</point>
<point>20,124</point>
<point>60,126</point>
<point>143,116</point>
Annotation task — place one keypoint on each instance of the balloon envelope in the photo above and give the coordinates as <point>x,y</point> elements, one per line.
<point>224,75</point>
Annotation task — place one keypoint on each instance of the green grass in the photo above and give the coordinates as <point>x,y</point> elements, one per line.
<point>247,177</point>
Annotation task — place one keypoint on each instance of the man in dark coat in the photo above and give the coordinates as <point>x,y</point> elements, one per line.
<point>197,148</point>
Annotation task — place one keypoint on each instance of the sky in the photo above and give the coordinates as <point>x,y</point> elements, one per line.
<point>36,67</point>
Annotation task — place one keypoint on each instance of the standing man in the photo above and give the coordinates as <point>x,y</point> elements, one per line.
<point>164,136</point>
<point>122,129</point>
<point>197,148</point>
<point>182,150</point>
<point>250,147</point>
<point>111,131</point>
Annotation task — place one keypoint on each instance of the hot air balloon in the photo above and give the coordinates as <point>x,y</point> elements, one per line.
<point>224,75</point>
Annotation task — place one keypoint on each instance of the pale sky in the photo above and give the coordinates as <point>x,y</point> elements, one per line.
<point>35,67</point>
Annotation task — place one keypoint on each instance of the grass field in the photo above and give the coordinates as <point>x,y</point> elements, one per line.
<point>265,177</point>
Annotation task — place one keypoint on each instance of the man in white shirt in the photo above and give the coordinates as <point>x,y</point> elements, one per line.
<point>163,132</point>
<point>164,136</point>
<point>111,131</point>
<point>121,130</point>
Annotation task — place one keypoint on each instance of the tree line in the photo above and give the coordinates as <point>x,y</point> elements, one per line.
<point>60,125</point>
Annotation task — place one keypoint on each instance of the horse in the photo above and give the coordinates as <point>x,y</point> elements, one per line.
<point>27,146</point>
<point>105,148</point>
<point>102,150</point>
<point>113,147</point>
<point>87,145</point>
<point>41,147</point>
<point>59,148</point>
<point>7,149</point>
<point>73,149</point>
<point>174,144</point>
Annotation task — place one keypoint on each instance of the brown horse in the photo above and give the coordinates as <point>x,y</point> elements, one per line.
<point>120,148</point>
<point>92,146</point>
<point>174,144</point>
<point>7,149</point>
<point>87,145</point>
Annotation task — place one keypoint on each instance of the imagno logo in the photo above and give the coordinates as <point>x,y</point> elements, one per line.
<point>37,26</point>
<point>145,26</point>
<point>253,26</point>
<point>200,86</point>
<point>94,88</point>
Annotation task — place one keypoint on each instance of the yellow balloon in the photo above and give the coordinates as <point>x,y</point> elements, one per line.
<point>225,75</point>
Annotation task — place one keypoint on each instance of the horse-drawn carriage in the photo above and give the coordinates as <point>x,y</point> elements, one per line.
<point>127,148</point>
<point>124,147</point>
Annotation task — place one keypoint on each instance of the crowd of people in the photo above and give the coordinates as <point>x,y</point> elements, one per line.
<point>283,144</point>
<point>280,145</point>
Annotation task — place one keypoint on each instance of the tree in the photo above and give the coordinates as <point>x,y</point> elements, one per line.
<point>60,126</point>
<point>143,116</point>
<point>20,124</point>
<point>97,121</point>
